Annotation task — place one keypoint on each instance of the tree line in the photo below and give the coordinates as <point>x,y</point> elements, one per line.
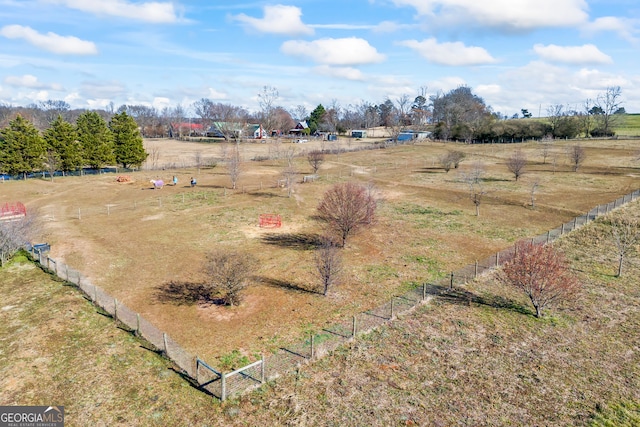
<point>42,136</point>
<point>66,147</point>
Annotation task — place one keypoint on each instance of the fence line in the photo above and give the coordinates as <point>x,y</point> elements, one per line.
<point>201,196</point>
<point>318,344</point>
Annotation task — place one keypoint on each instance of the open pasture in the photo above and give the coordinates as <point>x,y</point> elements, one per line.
<point>134,241</point>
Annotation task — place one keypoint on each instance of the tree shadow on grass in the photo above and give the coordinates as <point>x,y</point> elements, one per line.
<point>300,241</point>
<point>184,293</point>
<point>431,170</point>
<point>464,297</point>
<point>297,287</point>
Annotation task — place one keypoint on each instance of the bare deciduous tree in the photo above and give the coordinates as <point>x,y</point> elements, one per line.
<point>197,157</point>
<point>626,236</point>
<point>267,99</point>
<point>445,162</point>
<point>328,263</point>
<point>14,235</point>
<point>457,157</point>
<point>476,174</point>
<point>545,150</point>
<point>542,273</point>
<point>154,157</point>
<point>516,163</point>
<point>451,159</point>
<point>52,162</point>
<point>234,166</point>
<point>476,193</point>
<point>608,104</point>
<point>473,179</point>
<point>289,177</point>
<point>534,188</point>
<point>315,159</point>
<point>228,273</point>
<point>577,156</point>
<point>346,208</point>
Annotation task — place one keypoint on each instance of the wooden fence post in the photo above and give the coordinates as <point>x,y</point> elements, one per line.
<point>166,347</point>
<point>312,348</point>
<point>137,323</point>
<point>197,368</point>
<point>392,313</point>
<point>451,281</point>
<point>424,291</point>
<point>548,236</point>
<point>475,272</point>
<point>354,326</point>
<point>497,259</point>
<point>224,387</point>
<point>115,309</point>
<point>575,223</point>
<point>262,370</point>
<point>562,229</point>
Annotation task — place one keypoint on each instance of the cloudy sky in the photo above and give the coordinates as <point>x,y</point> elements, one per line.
<point>514,53</point>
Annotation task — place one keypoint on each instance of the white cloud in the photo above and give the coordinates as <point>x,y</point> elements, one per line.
<point>625,28</point>
<point>348,73</point>
<point>103,90</point>
<point>278,19</point>
<point>98,104</point>
<point>488,90</point>
<point>446,84</point>
<point>585,54</point>
<point>539,84</point>
<point>30,82</point>
<point>155,12</point>
<point>161,102</point>
<point>449,53</point>
<point>214,94</point>
<point>74,99</point>
<point>503,14</point>
<point>63,45</point>
<point>391,27</point>
<point>342,52</point>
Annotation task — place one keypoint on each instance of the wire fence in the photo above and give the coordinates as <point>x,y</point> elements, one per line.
<point>156,200</point>
<point>318,343</point>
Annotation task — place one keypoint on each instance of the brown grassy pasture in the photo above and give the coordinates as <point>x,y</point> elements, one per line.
<point>132,240</point>
<point>475,356</point>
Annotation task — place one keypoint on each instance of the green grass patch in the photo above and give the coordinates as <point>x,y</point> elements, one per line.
<point>628,125</point>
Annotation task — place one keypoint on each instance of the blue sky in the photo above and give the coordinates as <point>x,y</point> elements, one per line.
<point>513,53</point>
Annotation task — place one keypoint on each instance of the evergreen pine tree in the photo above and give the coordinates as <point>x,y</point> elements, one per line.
<point>95,139</point>
<point>315,119</point>
<point>22,148</point>
<point>128,147</point>
<point>62,142</point>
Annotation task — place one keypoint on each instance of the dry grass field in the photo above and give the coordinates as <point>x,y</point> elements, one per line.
<point>475,356</point>
<point>133,241</point>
